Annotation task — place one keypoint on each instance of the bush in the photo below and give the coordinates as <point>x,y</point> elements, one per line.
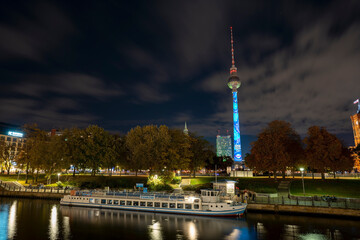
<point>160,187</point>
<point>167,176</point>
<point>176,180</point>
<point>59,184</point>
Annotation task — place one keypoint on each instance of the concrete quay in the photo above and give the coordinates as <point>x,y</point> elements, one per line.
<point>36,195</point>
<point>303,210</point>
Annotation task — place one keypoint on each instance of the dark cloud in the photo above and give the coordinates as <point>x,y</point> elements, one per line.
<point>122,64</point>
<point>75,84</point>
<point>34,33</point>
<point>307,83</point>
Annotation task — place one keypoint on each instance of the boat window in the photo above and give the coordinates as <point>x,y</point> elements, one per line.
<point>187,206</point>
<point>221,205</point>
<point>180,205</point>
<point>212,194</point>
<point>164,205</point>
<point>172,205</point>
<point>103,201</point>
<point>149,204</point>
<point>122,202</point>
<point>196,206</point>
<point>128,203</point>
<point>110,201</point>
<point>157,204</point>
<point>116,202</point>
<point>135,203</point>
<point>143,204</point>
<point>203,193</point>
<point>196,200</point>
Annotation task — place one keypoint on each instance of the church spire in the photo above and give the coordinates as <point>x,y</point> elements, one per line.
<point>186,131</point>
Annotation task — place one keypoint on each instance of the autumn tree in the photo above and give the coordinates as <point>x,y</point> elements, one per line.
<point>356,155</point>
<point>324,152</point>
<point>74,149</point>
<point>277,148</point>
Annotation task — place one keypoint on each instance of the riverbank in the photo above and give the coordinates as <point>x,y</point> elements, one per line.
<point>252,207</point>
<point>304,210</point>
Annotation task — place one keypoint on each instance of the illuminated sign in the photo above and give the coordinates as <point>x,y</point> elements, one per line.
<point>15,134</point>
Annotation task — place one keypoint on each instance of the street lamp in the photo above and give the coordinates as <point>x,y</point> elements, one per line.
<point>58,177</point>
<point>302,176</point>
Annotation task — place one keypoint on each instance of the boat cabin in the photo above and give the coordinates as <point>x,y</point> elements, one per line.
<point>210,195</point>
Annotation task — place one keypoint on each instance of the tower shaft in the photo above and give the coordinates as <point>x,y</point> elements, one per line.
<point>234,83</point>
<point>237,140</point>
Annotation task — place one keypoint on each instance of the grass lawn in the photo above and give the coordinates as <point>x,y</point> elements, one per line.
<point>83,181</point>
<point>332,187</point>
<point>261,185</point>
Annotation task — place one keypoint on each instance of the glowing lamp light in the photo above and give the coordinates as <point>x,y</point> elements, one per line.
<point>302,169</point>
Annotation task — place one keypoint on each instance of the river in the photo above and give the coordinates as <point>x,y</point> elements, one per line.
<point>44,219</point>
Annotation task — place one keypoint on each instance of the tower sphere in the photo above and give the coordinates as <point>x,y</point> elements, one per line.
<point>234,82</point>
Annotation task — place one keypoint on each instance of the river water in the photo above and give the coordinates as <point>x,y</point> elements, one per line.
<point>44,219</point>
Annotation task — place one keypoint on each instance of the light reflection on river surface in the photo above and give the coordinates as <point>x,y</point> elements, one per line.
<point>41,219</point>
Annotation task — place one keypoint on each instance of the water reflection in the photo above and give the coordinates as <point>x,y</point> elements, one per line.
<point>139,225</point>
<point>41,219</point>
<point>53,224</point>
<point>66,224</point>
<point>155,231</point>
<point>12,221</point>
<point>192,231</point>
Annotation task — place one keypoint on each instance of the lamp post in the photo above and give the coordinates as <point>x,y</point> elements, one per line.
<point>58,177</point>
<point>302,176</point>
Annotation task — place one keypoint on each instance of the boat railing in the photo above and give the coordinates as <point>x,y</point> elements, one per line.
<point>135,195</point>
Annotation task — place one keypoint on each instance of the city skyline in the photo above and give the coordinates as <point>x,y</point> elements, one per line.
<point>123,64</point>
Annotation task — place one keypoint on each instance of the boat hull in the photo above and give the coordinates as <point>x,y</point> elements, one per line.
<point>236,212</point>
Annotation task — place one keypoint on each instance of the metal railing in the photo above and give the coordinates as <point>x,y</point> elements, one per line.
<point>347,203</point>
<point>10,187</point>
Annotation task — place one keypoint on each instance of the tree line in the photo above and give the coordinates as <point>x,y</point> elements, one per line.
<point>157,149</point>
<point>279,148</point>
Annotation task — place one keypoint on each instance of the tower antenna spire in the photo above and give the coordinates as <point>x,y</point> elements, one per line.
<point>232,49</point>
<point>233,69</point>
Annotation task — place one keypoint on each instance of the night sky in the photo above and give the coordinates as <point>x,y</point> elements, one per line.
<point>119,64</point>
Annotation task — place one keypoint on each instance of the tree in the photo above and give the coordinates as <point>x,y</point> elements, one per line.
<point>95,147</point>
<point>277,148</point>
<point>201,150</point>
<point>356,155</point>
<point>324,151</point>
<point>74,149</point>
<point>179,153</point>
<point>6,155</point>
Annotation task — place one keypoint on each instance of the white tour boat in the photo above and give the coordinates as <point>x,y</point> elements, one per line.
<point>209,203</point>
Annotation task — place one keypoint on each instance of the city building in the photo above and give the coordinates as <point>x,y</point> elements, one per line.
<point>223,146</point>
<point>234,83</point>
<point>355,119</point>
<point>13,136</point>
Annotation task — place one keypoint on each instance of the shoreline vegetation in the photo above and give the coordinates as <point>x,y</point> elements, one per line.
<point>345,188</point>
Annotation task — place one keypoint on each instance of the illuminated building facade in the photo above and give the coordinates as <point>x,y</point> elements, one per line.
<point>355,120</point>
<point>223,146</point>
<point>234,83</point>
<point>12,135</point>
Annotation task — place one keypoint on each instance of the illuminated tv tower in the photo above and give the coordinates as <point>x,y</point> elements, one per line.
<point>234,83</point>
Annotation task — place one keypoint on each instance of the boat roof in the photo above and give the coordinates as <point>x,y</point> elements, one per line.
<point>225,181</point>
